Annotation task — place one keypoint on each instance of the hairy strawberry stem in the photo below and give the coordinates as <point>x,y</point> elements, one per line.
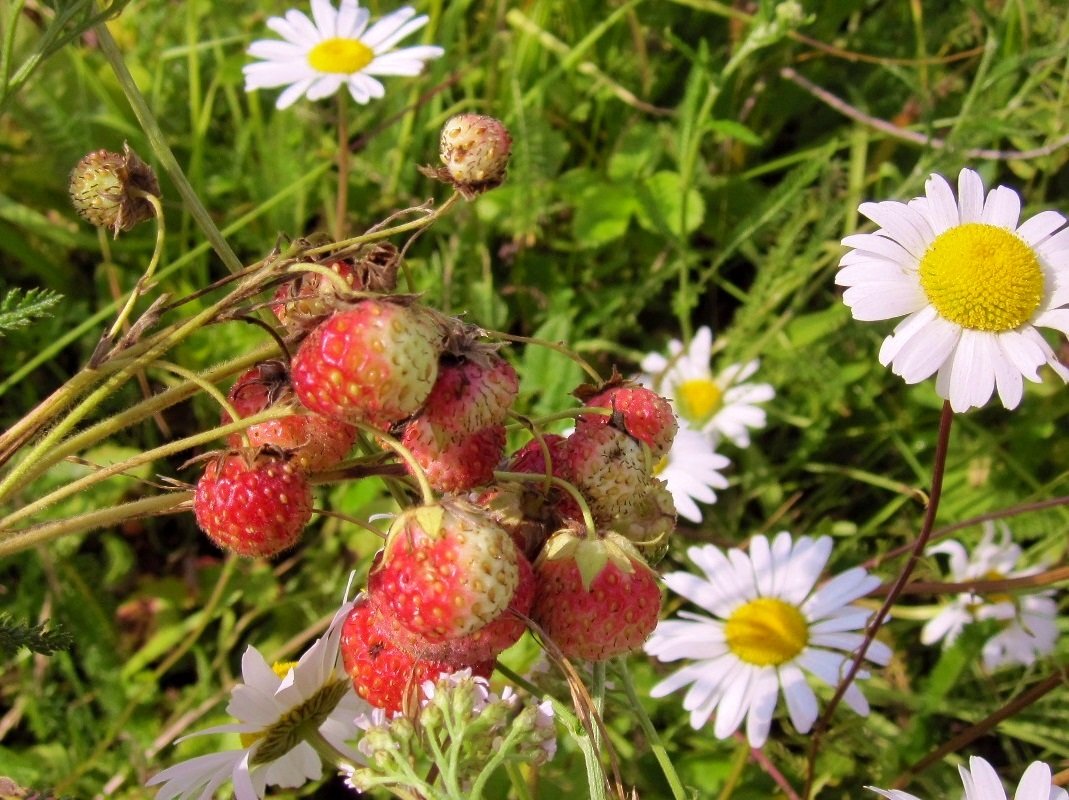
<point>385,233</point>
<point>341,288</point>
<point>532,477</point>
<point>560,347</point>
<point>426,493</point>
<point>142,282</point>
<point>208,388</point>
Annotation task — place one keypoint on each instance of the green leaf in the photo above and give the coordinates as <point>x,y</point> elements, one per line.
<point>730,129</point>
<point>17,310</point>
<point>661,208</point>
<point>603,214</point>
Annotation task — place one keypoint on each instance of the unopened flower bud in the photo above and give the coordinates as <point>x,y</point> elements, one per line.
<point>475,150</point>
<point>108,189</point>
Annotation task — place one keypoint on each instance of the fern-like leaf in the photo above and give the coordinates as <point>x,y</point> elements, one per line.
<point>18,309</point>
<point>15,635</point>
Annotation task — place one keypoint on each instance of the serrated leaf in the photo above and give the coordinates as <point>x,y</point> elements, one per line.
<point>17,310</point>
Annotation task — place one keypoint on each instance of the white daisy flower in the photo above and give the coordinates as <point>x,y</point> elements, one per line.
<point>721,405</point>
<point>692,470</point>
<point>982,783</point>
<point>336,47</point>
<point>1029,621</point>
<point>769,626</point>
<point>971,283</point>
<point>276,708</point>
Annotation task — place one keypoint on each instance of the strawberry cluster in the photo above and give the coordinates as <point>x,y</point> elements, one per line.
<point>557,536</point>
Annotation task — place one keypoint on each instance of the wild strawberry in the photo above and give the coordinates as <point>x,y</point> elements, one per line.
<point>650,523</point>
<point>475,150</point>
<point>253,507</point>
<point>311,294</point>
<point>447,570</point>
<point>596,597</point>
<point>469,395</point>
<point>314,442</point>
<point>374,363</point>
<point>608,467</point>
<point>108,189</point>
<point>484,644</point>
<point>531,458</point>
<point>383,674</point>
<point>457,465</point>
<point>639,411</point>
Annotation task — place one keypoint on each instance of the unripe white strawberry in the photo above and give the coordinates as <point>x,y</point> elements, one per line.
<point>107,189</point>
<point>608,467</point>
<point>475,150</point>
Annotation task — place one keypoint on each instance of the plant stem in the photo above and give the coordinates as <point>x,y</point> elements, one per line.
<point>341,208</point>
<point>158,140</point>
<point>385,233</point>
<point>560,347</point>
<point>149,270</point>
<point>17,541</point>
<point>946,418</point>
<point>652,737</point>
<point>426,493</point>
<point>532,477</point>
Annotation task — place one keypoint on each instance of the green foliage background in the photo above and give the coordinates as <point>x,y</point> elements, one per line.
<point>666,174</point>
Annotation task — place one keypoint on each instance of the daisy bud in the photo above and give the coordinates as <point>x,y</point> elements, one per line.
<point>107,189</point>
<point>475,150</point>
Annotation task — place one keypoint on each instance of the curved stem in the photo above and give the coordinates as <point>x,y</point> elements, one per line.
<point>154,201</point>
<point>163,451</point>
<point>531,477</point>
<point>560,347</point>
<point>426,493</point>
<point>980,586</point>
<point>209,389</point>
<point>341,288</point>
<point>946,418</point>
<point>385,233</point>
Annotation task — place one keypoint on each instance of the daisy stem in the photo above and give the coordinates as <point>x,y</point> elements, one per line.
<point>584,508</point>
<point>154,201</point>
<point>341,208</point>
<point>328,752</point>
<point>652,737</point>
<point>738,764</point>
<point>946,418</point>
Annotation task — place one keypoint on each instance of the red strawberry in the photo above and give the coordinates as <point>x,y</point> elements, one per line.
<point>311,294</point>
<point>608,467</point>
<point>458,465</point>
<point>375,363</point>
<point>596,597</point>
<point>381,673</point>
<point>531,458</point>
<point>447,570</point>
<point>482,645</point>
<point>639,411</point>
<point>313,441</point>
<point>254,507</point>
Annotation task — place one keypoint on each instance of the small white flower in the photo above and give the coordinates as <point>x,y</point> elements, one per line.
<point>769,626</point>
<point>982,783</point>
<point>971,283</point>
<point>274,709</point>
<point>692,470</point>
<point>721,405</point>
<point>1029,621</point>
<point>336,47</point>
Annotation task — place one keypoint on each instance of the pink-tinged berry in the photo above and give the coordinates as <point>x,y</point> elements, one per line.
<point>471,394</point>
<point>447,570</point>
<point>311,294</point>
<point>484,644</point>
<point>596,596</point>
<point>382,674</point>
<point>374,363</point>
<point>532,458</point>
<point>253,506</point>
<point>107,189</point>
<point>639,411</point>
<point>608,467</point>
<point>475,150</point>
<point>459,465</point>
<point>312,441</point>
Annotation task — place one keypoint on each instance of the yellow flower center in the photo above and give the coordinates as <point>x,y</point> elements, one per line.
<point>698,399</point>
<point>766,631</point>
<point>982,277</point>
<point>344,56</point>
